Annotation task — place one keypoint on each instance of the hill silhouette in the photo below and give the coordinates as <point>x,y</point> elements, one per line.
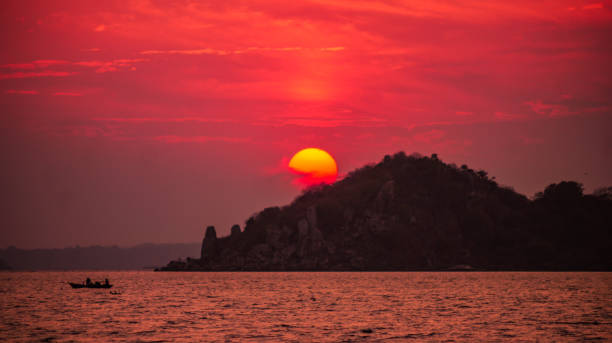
<point>143,256</point>
<point>419,213</point>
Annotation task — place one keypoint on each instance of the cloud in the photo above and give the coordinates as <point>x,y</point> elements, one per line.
<point>205,51</point>
<point>108,66</point>
<point>141,120</point>
<point>323,117</point>
<point>335,48</point>
<point>47,63</point>
<point>100,28</point>
<point>100,67</point>
<point>326,122</point>
<point>24,92</point>
<point>318,122</point>
<point>105,69</point>
<point>252,49</point>
<point>200,139</point>
<point>593,6</point>
<point>89,63</point>
<point>34,64</point>
<point>127,61</point>
<point>67,94</point>
<point>256,49</point>
<point>549,110</point>
<point>47,73</point>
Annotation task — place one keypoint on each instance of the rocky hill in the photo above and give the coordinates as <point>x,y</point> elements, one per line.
<point>418,213</point>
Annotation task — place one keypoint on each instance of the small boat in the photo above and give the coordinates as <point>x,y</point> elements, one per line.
<point>90,285</point>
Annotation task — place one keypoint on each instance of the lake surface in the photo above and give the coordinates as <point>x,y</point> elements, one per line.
<point>304,307</point>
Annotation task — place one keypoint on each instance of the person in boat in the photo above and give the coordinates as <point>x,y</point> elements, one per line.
<point>105,282</point>
<point>88,282</point>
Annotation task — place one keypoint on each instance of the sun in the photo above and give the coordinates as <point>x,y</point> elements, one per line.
<point>315,166</point>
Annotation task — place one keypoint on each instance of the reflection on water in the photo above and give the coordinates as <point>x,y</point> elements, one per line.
<point>296,306</point>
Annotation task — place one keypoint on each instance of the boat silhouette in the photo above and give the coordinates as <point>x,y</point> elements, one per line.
<point>89,284</point>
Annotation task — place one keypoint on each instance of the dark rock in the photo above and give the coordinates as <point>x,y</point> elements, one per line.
<point>209,245</point>
<point>385,196</point>
<point>311,216</point>
<point>303,229</point>
<point>211,233</point>
<point>235,231</point>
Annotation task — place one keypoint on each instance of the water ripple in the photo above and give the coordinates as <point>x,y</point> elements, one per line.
<point>296,307</point>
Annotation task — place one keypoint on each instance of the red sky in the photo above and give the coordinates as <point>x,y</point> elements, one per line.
<point>137,121</point>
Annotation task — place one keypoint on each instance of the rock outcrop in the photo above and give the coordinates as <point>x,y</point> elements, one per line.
<point>209,245</point>
<point>235,231</point>
<point>415,213</point>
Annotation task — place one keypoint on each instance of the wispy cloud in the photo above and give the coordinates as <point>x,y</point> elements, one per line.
<point>200,139</point>
<point>313,122</point>
<point>334,48</point>
<point>504,116</point>
<point>549,110</point>
<point>47,63</point>
<point>108,66</point>
<point>595,6</point>
<point>24,92</point>
<point>47,73</point>
<point>324,120</point>
<point>256,49</point>
<point>205,51</point>
<point>99,66</point>
<point>140,120</point>
<point>222,52</point>
<point>34,64</point>
<point>67,94</point>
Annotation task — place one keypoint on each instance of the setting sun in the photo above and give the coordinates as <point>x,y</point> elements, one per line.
<point>321,157</point>
<point>315,166</point>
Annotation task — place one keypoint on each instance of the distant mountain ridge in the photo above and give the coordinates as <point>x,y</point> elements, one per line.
<point>143,256</point>
<point>419,213</point>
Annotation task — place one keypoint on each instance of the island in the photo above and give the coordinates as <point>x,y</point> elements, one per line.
<point>418,213</point>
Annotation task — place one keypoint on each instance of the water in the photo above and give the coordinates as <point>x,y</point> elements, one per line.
<point>319,307</point>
